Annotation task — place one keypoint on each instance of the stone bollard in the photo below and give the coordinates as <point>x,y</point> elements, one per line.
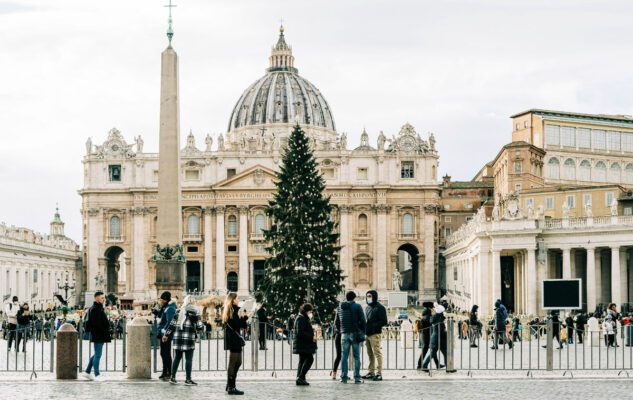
<point>66,359</point>
<point>139,354</point>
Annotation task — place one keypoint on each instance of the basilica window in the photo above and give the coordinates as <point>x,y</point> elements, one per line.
<point>232,226</point>
<point>614,141</point>
<point>260,224</point>
<point>600,172</point>
<point>363,272</point>
<point>549,203</point>
<point>230,172</point>
<point>627,142</point>
<point>114,173</point>
<point>568,136</point>
<point>115,226</point>
<point>628,173</point>
<point>628,211</point>
<point>586,199</point>
<point>584,172</point>
<point>362,225</point>
<point>407,224</point>
<point>518,167</point>
<point>569,169</point>
<point>571,201</point>
<point>583,135</point>
<point>193,225</point>
<point>361,174</point>
<point>608,199</point>
<point>614,173</point>
<point>599,140</point>
<point>553,168</point>
<point>552,135</point>
<point>192,175</point>
<point>407,170</point>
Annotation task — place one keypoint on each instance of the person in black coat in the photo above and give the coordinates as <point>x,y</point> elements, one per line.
<point>262,317</point>
<point>581,321</point>
<point>233,340</point>
<point>425,334</point>
<point>305,343</point>
<point>376,317</point>
<point>98,326</point>
<point>474,326</point>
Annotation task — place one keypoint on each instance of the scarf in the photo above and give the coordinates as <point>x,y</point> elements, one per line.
<point>187,306</point>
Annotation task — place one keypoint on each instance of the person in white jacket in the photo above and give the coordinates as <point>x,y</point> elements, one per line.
<point>11,309</point>
<point>608,330</point>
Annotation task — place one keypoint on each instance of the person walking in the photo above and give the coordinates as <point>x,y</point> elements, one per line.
<point>438,339</point>
<point>262,317</point>
<point>337,346</point>
<point>99,328</point>
<point>581,321</point>
<point>350,321</point>
<point>165,315</point>
<point>474,331</point>
<point>376,317</point>
<point>305,343</point>
<point>11,310</point>
<point>290,326</point>
<point>425,335</point>
<point>24,322</point>
<point>569,324</point>
<point>501,315</point>
<point>233,341</point>
<point>183,329</point>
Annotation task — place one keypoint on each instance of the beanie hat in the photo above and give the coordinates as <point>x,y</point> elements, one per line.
<point>166,296</point>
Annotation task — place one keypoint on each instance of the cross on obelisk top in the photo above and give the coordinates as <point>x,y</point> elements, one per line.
<point>170,31</point>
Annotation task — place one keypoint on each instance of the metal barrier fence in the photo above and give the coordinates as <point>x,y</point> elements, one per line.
<point>114,356</point>
<point>30,351</point>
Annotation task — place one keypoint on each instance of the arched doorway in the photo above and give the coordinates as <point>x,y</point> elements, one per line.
<point>113,265</point>
<point>407,266</point>
<point>231,281</point>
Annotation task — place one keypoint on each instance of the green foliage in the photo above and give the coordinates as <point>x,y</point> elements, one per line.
<point>303,263</point>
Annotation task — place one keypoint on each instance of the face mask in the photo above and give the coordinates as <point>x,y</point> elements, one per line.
<point>310,315</point>
<point>369,300</point>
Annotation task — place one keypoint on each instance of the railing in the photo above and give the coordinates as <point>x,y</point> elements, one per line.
<point>115,239</point>
<point>197,237</point>
<point>27,349</point>
<point>256,236</point>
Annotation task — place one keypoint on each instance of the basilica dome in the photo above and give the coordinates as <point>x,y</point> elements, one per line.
<point>281,96</point>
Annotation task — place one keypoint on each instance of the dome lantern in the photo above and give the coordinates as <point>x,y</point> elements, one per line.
<point>281,58</point>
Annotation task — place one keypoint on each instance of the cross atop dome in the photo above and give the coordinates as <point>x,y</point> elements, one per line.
<point>281,58</point>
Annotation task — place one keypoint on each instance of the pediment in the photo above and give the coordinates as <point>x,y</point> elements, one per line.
<point>256,177</point>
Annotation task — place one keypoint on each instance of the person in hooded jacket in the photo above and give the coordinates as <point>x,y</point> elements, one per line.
<point>183,330</point>
<point>233,341</point>
<point>438,339</point>
<point>376,317</point>
<point>305,343</point>
<point>165,315</point>
<point>501,315</point>
<point>425,335</point>
<point>474,326</point>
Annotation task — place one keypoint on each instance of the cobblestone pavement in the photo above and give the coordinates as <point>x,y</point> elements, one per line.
<point>515,389</point>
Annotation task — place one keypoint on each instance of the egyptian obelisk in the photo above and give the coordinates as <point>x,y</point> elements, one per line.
<point>168,255</point>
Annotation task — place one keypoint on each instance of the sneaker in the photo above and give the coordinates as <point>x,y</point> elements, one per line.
<point>99,378</point>
<point>333,375</point>
<point>189,382</point>
<point>87,376</point>
<point>164,378</point>
<point>473,345</point>
<point>344,380</point>
<point>368,376</point>
<point>377,377</point>
<point>358,382</point>
<point>302,382</point>
<point>173,381</point>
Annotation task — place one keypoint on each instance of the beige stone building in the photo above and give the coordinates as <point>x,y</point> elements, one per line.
<point>563,209</point>
<point>385,195</point>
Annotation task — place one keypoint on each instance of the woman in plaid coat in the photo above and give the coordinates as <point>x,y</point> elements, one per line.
<point>184,328</point>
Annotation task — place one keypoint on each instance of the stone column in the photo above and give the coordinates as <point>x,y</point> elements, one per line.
<point>591,279</point>
<point>624,293</point>
<point>381,246</point>
<point>483,292</point>
<point>66,357</point>
<point>496,275</point>
<point>208,254</point>
<point>532,301</point>
<point>572,264</point>
<point>139,354</point>
<point>566,263</point>
<point>243,276</point>
<point>616,296</point>
<point>598,265</point>
<point>94,238</point>
<point>428,275</point>
<point>220,267</point>
<point>343,262</point>
<point>138,243</point>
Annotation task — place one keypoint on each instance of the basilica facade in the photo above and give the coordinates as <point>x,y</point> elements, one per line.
<point>385,196</point>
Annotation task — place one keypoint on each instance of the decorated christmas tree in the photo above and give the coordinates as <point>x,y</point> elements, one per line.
<point>303,262</point>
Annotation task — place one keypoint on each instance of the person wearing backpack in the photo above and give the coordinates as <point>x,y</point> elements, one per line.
<point>165,315</point>
<point>350,321</point>
<point>97,324</point>
<point>11,310</point>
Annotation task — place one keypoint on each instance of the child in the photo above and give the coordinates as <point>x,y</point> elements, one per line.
<point>608,330</point>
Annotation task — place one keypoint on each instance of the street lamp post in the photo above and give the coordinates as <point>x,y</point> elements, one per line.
<point>64,300</point>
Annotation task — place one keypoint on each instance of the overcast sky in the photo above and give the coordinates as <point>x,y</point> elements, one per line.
<point>71,69</point>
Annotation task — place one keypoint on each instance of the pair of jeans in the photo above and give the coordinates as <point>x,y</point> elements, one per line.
<point>305,362</point>
<point>349,340</point>
<point>165,355</point>
<point>263,331</point>
<point>235,361</point>
<point>432,355</point>
<point>95,359</point>
<point>188,363</point>
<point>374,353</point>
<point>12,329</point>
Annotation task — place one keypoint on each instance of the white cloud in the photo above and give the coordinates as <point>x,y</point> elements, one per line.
<point>458,68</point>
